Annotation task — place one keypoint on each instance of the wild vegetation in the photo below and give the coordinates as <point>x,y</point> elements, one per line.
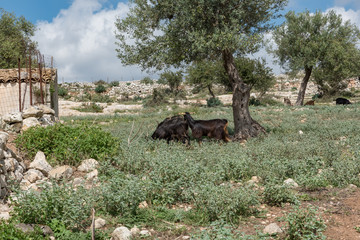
<point>202,186</point>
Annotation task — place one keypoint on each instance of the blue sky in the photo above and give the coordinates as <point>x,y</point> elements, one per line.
<point>79,34</point>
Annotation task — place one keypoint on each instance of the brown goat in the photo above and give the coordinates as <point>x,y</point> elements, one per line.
<point>310,103</point>
<point>214,128</point>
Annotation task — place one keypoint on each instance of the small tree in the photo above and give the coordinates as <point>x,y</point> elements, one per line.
<point>172,79</point>
<point>147,81</point>
<point>340,62</point>
<point>204,74</point>
<point>100,88</point>
<point>305,41</point>
<point>15,39</point>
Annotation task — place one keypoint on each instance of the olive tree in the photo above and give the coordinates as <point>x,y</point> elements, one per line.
<point>15,38</point>
<point>158,34</point>
<point>253,72</point>
<point>305,42</point>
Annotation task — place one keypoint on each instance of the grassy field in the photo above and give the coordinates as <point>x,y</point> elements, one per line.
<point>206,187</point>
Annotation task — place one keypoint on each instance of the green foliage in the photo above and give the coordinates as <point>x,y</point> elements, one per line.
<point>100,88</point>
<point>62,202</point>
<point>223,202</point>
<point>121,196</point>
<point>321,44</point>
<point>63,92</point>
<point>62,233</point>
<point>192,30</point>
<point>10,232</point>
<point>64,144</point>
<point>304,224</point>
<point>213,102</point>
<point>90,107</point>
<point>114,84</point>
<point>220,230</point>
<point>15,39</point>
<point>275,195</point>
<point>100,82</point>
<point>100,98</point>
<point>252,71</point>
<point>147,81</point>
<point>158,97</point>
<point>172,79</point>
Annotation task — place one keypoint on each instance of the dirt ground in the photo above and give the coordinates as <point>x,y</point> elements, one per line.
<point>339,208</point>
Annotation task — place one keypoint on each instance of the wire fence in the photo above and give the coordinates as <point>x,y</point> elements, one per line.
<point>33,82</point>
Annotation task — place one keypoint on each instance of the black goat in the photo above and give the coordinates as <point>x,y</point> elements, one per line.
<point>214,128</point>
<point>342,101</point>
<point>174,128</point>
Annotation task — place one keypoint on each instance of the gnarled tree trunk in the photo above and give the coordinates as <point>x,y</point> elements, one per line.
<point>304,82</point>
<point>245,126</point>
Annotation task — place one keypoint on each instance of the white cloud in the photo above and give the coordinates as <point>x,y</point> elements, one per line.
<point>82,41</point>
<point>349,3</point>
<point>353,16</point>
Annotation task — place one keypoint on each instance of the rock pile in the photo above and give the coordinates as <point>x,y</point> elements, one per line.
<point>40,115</point>
<point>12,166</point>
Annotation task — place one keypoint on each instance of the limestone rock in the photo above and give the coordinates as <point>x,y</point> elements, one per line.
<point>92,175</point>
<point>61,172</point>
<point>11,164</point>
<point>32,111</point>
<point>121,233</point>
<point>4,216</point>
<point>99,223</point>
<point>78,182</point>
<point>3,139</point>
<point>33,175</point>
<point>30,122</point>
<point>47,120</point>
<point>272,228</point>
<point>88,165</point>
<point>145,233</point>
<point>46,110</point>
<point>40,163</point>
<point>26,228</point>
<point>13,118</point>
<point>291,183</point>
<point>135,231</point>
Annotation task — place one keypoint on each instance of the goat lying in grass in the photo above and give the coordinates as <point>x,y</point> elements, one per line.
<point>214,128</point>
<point>174,128</point>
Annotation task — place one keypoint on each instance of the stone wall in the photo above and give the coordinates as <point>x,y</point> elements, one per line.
<point>12,167</point>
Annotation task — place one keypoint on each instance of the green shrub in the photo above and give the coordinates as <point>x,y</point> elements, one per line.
<point>62,202</point>
<point>147,81</point>
<point>114,84</point>
<point>213,102</point>
<point>9,231</point>
<point>275,195</point>
<point>101,98</point>
<point>122,195</point>
<point>64,144</point>
<point>100,88</point>
<point>224,202</point>
<point>254,102</point>
<point>304,224</point>
<point>158,97</point>
<point>100,82</point>
<point>220,230</point>
<point>90,107</point>
<point>62,233</point>
<point>62,92</point>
